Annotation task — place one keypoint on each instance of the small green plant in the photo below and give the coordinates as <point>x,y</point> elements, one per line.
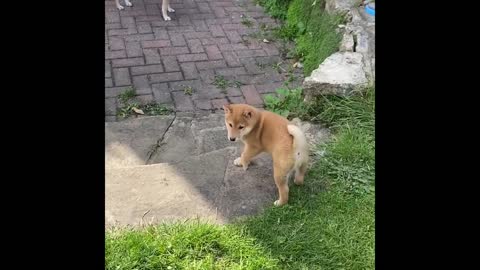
<point>294,54</point>
<point>127,95</point>
<point>129,106</point>
<point>127,109</point>
<point>278,67</point>
<point>151,109</point>
<point>237,84</point>
<point>126,102</point>
<point>155,109</point>
<point>246,42</point>
<point>287,51</point>
<point>245,21</point>
<point>261,35</point>
<point>188,90</point>
<point>261,66</point>
<point>265,32</point>
<point>263,26</point>
<point>221,82</point>
<point>256,35</point>
<point>288,103</point>
<point>290,75</point>
<point>290,78</point>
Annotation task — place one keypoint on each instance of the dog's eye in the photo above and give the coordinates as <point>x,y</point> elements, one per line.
<point>240,127</point>
<point>230,125</point>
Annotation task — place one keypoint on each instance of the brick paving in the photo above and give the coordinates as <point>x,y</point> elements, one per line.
<point>205,38</point>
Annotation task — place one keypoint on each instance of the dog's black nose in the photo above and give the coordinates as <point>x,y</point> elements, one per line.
<point>232,139</point>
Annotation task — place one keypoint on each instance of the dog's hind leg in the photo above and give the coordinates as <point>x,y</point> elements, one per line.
<point>300,174</point>
<point>281,168</point>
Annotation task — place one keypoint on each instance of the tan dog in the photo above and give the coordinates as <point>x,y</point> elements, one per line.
<point>263,131</point>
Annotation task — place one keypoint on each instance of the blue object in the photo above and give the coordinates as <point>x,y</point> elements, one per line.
<point>370,10</point>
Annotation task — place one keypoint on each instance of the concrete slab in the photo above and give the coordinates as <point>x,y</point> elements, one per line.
<point>188,174</point>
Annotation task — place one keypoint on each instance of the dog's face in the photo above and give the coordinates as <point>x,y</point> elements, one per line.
<point>238,120</point>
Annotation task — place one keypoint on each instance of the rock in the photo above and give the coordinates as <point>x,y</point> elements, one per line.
<point>362,43</point>
<point>370,69</point>
<point>361,28</point>
<point>339,6</point>
<point>347,43</point>
<point>340,74</point>
<point>366,46</point>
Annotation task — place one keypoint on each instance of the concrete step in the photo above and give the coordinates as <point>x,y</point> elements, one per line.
<point>179,167</point>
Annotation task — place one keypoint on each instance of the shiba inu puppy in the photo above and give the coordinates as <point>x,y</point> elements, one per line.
<point>264,131</point>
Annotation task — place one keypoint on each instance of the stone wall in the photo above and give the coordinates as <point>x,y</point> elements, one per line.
<point>353,66</point>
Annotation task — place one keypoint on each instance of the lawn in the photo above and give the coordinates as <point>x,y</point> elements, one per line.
<point>312,29</point>
<point>329,223</point>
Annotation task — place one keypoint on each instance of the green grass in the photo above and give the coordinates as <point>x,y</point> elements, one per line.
<point>357,110</point>
<point>350,158</point>
<point>323,227</point>
<point>320,39</point>
<point>276,8</point>
<point>191,245</point>
<point>312,29</point>
<point>329,222</point>
<point>319,229</point>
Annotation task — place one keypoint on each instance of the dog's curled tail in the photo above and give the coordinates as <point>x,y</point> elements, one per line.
<point>300,147</point>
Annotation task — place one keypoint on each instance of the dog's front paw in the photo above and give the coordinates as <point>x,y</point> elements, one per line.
<point>167,18</point>
<point>120,7</point>
<point>128,3</point>
<point>171,9</point>
<point>238,162</point>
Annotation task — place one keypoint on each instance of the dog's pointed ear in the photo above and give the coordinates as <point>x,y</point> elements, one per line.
<point>248,114</point>
<point>227,109</point>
